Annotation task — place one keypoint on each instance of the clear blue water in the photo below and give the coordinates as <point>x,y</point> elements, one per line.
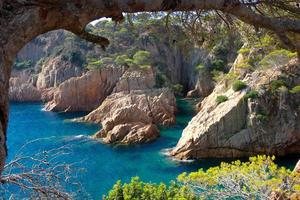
<point>103,164</point>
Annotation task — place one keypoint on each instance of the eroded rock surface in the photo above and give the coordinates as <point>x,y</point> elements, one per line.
<point>268,124</point>
<point>127,125</point>
<point>87,92</point>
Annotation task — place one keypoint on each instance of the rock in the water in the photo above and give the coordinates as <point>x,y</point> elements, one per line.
<point>159,104</point>
<point>87,92</point>
<point>238,127</point>
<point>128,125</point>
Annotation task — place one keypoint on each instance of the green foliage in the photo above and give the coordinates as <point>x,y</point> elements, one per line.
<point>218,65</point>
<point>142,58</point>
<point>178,89</point>
<point>220,99</point>
<point>200,67</point>
<point>97,64</point>
<point>276,84</point>
<point>238,85</point>
<point>295,89</point>
<point>252,94</point>
<point>244,51</point>
<point>138,190</point>
<point>277,58</point>
<point>23,64</point>
<point>261,114</point>
<point>254,179</point>
<point>123,60</point>
<point>217,75</point>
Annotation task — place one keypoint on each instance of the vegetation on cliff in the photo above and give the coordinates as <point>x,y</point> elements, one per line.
<point>258,178</point>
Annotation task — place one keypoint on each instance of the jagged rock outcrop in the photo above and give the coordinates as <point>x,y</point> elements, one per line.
<point>204,85</point>
<point>21,87</point>
<point>238,127</point>
<point>136,79</point>
<point>55,71</point>
<point>87,92</point>
<point>297,167</point>
<point>159,104</point>
<point>128,125</point>
<point>130,114</point>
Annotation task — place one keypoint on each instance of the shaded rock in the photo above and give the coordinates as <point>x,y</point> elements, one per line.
<point>204,85</point>
<point>87,92</point>
<point>239,127</point>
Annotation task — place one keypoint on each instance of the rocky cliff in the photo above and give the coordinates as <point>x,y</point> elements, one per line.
<point>130,114</point>
<point>55,71</point>
<point>87,92</point>
<point>22,88</point>
<point>262,118</point>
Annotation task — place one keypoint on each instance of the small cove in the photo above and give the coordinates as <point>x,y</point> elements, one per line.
<point>104,164</point>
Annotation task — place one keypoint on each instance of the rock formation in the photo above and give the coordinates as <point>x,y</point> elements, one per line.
<point>268,124</point>
<point>21,87</point>
<point>55,71</point>
<point>128,125</point>
<point>130,114</point>
<point>87,92</point>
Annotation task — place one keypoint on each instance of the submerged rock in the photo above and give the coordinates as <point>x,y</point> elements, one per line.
<point>241,127</point>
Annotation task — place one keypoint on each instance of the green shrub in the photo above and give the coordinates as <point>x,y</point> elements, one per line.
<point>251,95</point>
<point>244,51</point>
<point>178,88</point>
<point>218,65</point>
<point>123,60</point>
<point>141,58</point>
<point>221,99</point>
<point>97,64</point>
<point>199,67</point>
<point>254,179</point>
<point>261,114</point>
<point>276,84</point>
<point>238,85</point>
<point>138,190</point>
<point>295,89</point>
<point>277,58</point>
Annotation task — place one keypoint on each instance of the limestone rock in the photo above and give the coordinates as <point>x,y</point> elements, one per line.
<point>87,92</point>
<point>297,168</point>
<point>238,128</point>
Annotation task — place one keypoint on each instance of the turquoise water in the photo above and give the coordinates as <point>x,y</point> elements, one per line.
<point>103,164</point>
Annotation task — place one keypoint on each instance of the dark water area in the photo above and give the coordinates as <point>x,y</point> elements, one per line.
<point>104,164</point>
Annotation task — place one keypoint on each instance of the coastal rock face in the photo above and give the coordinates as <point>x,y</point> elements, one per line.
<point>203,87</point>
<point>241,127</point>
<point>55,71</point>
<point>159,104</point>
<point>21,87</point>
<point>87,92</point>
<point>136,79</point>
<point>128,125</point>
<point>297,168</point>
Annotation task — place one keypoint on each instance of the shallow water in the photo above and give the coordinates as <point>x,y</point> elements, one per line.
<point>103,164</point>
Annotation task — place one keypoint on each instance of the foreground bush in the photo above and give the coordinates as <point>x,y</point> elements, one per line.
<point>255,179</point>
<point>238,85</point>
